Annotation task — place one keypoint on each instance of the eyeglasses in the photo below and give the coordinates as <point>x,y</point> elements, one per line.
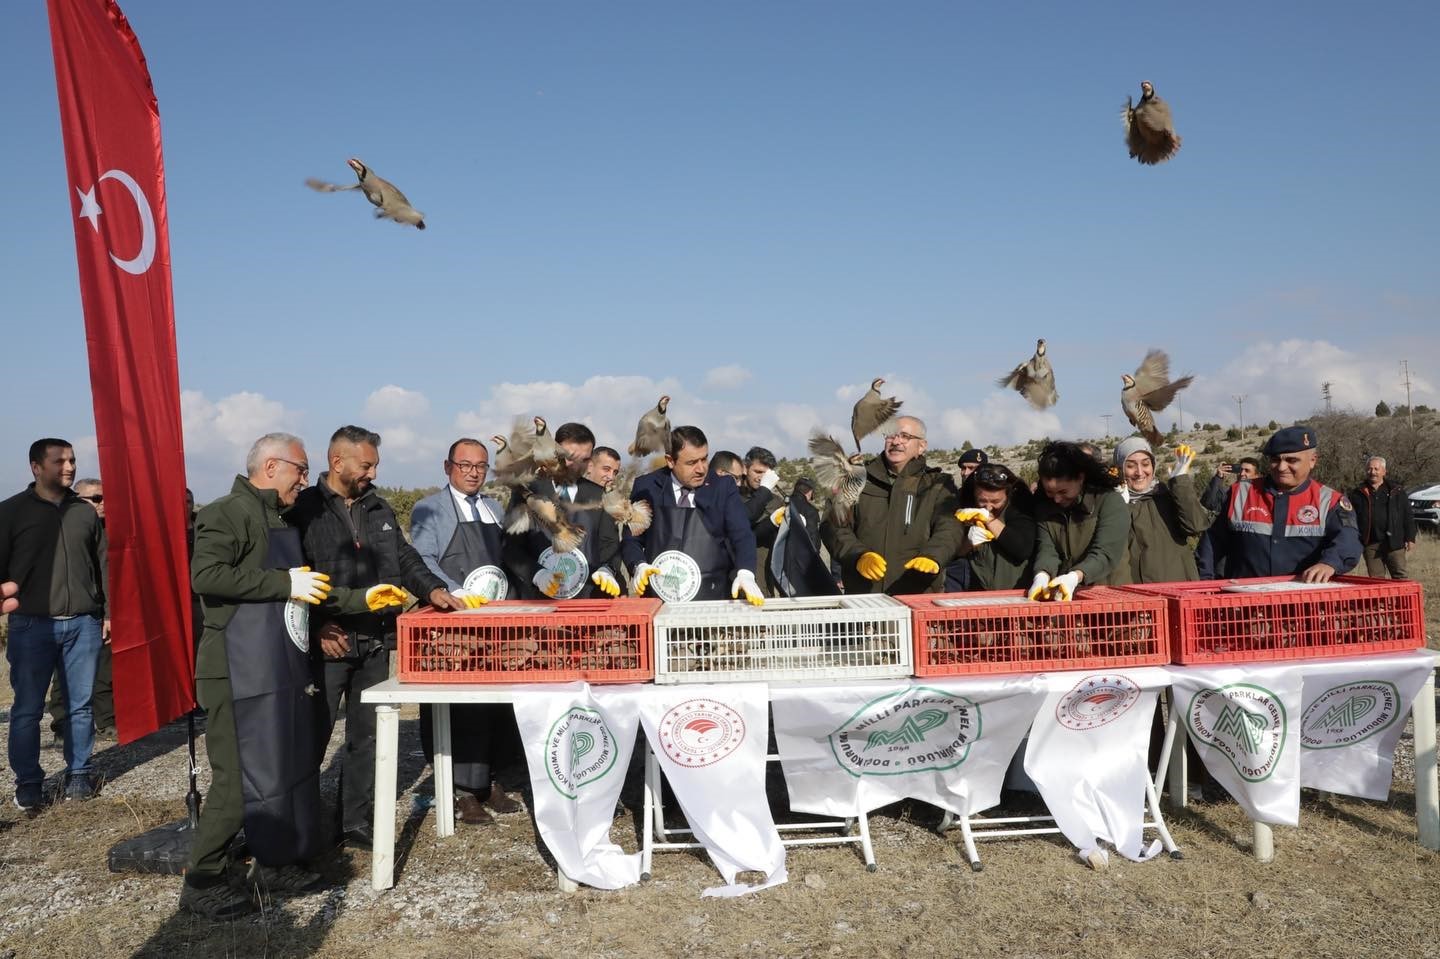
<point>303,468</point>
<point>904,437</point>
<point>471,468</point>
<point>96,498</point>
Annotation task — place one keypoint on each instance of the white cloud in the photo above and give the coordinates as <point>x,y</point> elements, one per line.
<point>609,405</point>
<point>395,404</point>
<point>1282,381</point>
<point>218,434</point>
<point>727,377</point>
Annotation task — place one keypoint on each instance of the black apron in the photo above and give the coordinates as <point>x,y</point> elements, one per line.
<point>473,727</point>
<point>795,562</point>
<point>277,722</point>
<point>681,528</point>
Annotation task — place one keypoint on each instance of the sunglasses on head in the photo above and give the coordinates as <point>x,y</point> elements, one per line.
<point>994,476</point>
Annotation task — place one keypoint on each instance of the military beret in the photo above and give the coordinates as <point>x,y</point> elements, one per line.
<point>1292,439</point>
<point>974,456</point>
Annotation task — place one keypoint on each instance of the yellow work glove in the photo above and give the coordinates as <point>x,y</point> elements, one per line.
<point>1063,588</point>
<point>1038,586</point>
<point>778,516</point>
<point>641,577</point>
<point>606,582</point>
<point>548,582</point>
<point>923,564</point>
<point>973,516</point>
<point>745,583</point>
<point>471,600</point>
<point>379,597</point>
<point>871,566</point>
<point>308,587</point>
<point>1184,459</point>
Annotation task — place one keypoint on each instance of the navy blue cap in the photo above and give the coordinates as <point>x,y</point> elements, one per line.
<point>974,456</point>
<point>1292,439</point>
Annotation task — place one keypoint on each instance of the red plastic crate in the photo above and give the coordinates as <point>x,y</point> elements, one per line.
<point>523,641</point>
<point>1003,632</point>
<point>1358,618</point>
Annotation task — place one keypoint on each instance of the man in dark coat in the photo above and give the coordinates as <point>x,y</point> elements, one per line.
<point>1386,524</point>
<point>696,514</point>
<point>350,531</point>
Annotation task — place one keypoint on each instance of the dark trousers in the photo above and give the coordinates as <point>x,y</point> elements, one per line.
<point>224,810</point>
<point>1382,561</point>
<point>483,739</point>
<point>348,678</point>
<point>102,696</point>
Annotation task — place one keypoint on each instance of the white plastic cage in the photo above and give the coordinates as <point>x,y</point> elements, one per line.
<point>823,637</point>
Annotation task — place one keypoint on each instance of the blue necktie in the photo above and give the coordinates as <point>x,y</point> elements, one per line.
<point>685,500</point>
<point>474,503</point>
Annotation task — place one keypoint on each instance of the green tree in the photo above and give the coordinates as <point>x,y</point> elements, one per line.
<point>1382,408</point>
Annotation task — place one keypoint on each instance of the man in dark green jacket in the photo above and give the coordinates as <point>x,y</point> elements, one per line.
<point>902,532</point>
<point>254,678</point>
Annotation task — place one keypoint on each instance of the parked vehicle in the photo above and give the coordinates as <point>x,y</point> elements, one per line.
<point>1425,504</point>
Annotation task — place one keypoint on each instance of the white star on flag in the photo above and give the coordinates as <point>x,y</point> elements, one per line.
<point>89,208</point>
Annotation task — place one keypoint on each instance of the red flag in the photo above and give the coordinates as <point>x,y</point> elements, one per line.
<point>111,125</point>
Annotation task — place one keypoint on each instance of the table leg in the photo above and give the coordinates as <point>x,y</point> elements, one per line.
<point>1427,788</point>
<point>1264,842</point>
<point>1179,772</point>
<point>387,759</point>
<point>443,769</point>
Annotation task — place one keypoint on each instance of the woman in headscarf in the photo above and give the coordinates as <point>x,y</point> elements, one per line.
<point>1163,516</point>
<point>1084,525</point>
<point>996,509</point>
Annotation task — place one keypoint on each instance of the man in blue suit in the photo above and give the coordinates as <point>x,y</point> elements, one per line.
<point>698,515</point>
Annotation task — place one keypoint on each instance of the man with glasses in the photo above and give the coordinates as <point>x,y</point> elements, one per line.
<point>53,546</point>
<point>102,696</point>
<point>350,531</point>
<point>254,677</point>
<point>457,532</point>
<point>902,532</point>
<point>727,464</point>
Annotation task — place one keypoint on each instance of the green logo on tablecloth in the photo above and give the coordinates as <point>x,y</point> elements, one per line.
<point>579,751</point>
<point>1349,713</point>
<point>915,730</point>
<point>1245,723</point>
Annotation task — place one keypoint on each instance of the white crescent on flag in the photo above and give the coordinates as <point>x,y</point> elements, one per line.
<point>90,209</point>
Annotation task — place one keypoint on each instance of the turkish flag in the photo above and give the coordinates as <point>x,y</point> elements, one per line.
<point>111,126</point>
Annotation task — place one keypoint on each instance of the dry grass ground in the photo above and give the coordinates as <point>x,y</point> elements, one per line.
<point>1351,881</point>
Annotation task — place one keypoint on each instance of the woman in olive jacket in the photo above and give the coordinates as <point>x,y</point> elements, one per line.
<point>1001,541</point>
<point>1084,525</point>
<point>1163,516</point>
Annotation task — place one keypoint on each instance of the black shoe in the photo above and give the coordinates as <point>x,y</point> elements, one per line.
<point>30,797</point>
<point>286,880</point>
<point>358,838</point>
<point>81,786</point>
<point>216,899</point>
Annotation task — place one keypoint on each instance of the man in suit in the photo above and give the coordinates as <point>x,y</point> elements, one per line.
<point>457,531</point>
<point>579,500</point>
<point>697,514</point>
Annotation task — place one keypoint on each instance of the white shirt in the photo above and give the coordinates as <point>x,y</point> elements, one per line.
<point>487,510</point>
<point>569,490</point>
<point>675,488</point>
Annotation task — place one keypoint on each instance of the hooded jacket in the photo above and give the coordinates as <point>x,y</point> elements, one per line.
<point>899,517</point>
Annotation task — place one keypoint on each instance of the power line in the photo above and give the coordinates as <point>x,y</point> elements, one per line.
<point>1240,402</point>
<point>1409,408</point>
<point>1106,418</point>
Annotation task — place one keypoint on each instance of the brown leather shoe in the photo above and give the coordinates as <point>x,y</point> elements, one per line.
<point>501,803</point>
<point>470,811</point>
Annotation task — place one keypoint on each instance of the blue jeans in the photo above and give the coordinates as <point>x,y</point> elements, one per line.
<point>37,645</point>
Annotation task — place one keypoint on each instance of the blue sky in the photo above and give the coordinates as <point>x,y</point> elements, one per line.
<point>755,207</point>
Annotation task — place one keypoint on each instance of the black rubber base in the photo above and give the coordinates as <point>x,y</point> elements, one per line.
<point>976,866</point>
<point>871,867</point>
<point>164,850</point>
<point>1177,854</point>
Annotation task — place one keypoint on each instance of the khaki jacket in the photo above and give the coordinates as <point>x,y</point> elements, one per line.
<point>1161,525</point>
<point>899,517</point>
<point>1092,536</point>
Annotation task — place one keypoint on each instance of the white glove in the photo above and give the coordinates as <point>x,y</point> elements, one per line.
<point>548,581</point>
<point>1184,459</point>
<point>770,479</point>
<point>1063,588</point>
<point>308,587</point>
<point>979,536</point>
<point>1038,586</point>
<point>606,582</point>
<point>745,583</point>
<point>640,577</point>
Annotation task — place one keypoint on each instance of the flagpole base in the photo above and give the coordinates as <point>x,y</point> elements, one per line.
<point>163,851</point>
